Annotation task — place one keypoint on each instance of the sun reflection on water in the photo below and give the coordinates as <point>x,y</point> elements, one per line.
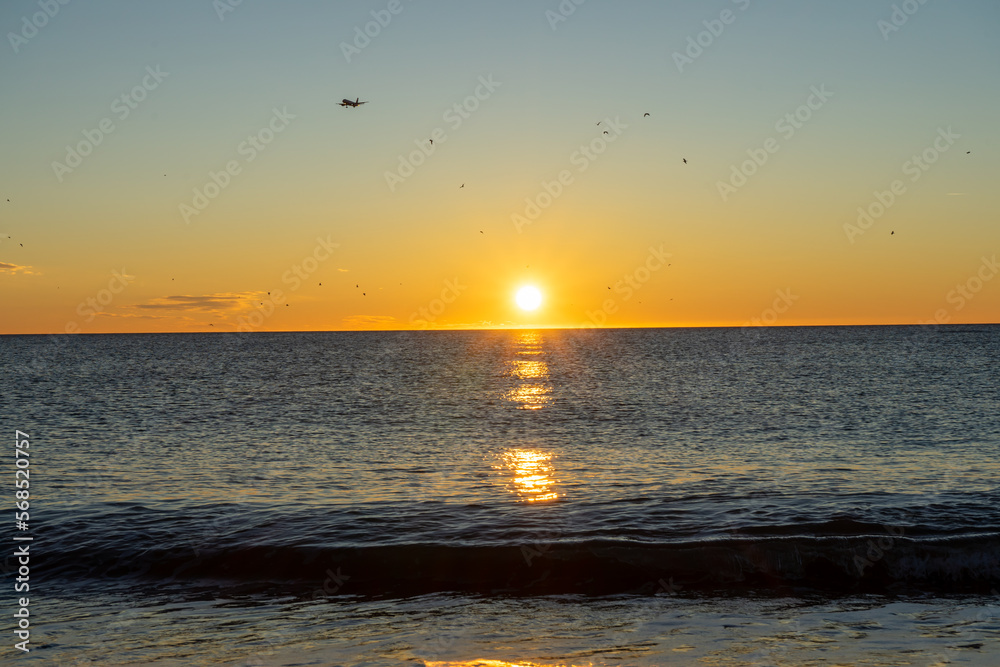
<point>531,392</point>
<point>490,663</point>
<point>531,472</point>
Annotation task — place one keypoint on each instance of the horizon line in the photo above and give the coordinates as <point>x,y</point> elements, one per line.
<point>512,328</point>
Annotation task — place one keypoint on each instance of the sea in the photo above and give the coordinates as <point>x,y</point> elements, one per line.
<point>717,496</point>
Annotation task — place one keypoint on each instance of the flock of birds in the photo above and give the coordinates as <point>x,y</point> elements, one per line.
<point>357,102</point>
<point>8,236</point>
<point>348,104</point>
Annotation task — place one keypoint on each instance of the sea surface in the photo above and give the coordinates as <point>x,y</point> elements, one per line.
<point>744,496</point>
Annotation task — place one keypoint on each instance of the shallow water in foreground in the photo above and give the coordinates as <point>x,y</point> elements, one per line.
<point>457,631</point>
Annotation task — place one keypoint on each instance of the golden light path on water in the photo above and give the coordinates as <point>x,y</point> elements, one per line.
<point>492,663</point>
<point>532,474</point>
<point>530,471</point>
<point>531,392</point>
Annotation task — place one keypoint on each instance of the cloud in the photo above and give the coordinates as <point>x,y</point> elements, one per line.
<point>14,269</point>
<point>205,303</point>
<point>132,316</point>
<point>369,320</point>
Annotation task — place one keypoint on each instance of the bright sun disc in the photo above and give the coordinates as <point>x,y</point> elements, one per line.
<point>529,298</point>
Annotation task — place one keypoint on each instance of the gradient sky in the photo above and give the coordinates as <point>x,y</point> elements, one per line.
<point>779,241</point>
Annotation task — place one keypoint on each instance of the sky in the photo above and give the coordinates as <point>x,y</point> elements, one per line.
<point>185,166</point>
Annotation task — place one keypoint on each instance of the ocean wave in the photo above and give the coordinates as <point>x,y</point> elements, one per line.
<point>849,565</point>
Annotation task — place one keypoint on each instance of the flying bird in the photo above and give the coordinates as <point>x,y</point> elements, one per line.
<point>606,132</point>
<point>685,160</point>
<point>432,141</point>
<point>892,233</point>
<point>356,103</point>
<point>461,186</point>
<point>644,115</point>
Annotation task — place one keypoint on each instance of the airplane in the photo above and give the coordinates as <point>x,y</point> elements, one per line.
<point>355,103</point>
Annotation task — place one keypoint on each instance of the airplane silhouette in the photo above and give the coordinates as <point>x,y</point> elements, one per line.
<point>356,103</point>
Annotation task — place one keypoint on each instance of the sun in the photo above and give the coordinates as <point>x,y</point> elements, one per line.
<point>529,298</point>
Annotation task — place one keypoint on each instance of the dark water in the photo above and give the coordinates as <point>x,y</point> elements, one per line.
<point>251,480</point>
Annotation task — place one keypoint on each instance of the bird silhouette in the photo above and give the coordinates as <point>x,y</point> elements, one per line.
<point>432,141</point>
<point>892,233</point>
<point>606,132</point>
<point>644,115</point>
<point>685,160</point>
<point>461,186</point>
